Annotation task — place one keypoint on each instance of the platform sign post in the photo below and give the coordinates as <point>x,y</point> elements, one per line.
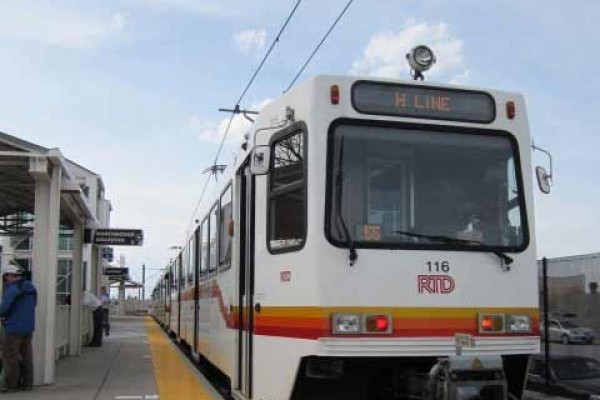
<point>119,237</point>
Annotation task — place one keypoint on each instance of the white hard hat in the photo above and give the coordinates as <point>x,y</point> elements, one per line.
<point>11,269</point>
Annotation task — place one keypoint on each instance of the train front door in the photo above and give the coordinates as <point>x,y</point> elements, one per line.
<point>245,310</point>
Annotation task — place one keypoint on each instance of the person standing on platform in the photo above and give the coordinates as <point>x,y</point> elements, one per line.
<point>90,300</point>
<point>17,313</point>
<point>105,299</point>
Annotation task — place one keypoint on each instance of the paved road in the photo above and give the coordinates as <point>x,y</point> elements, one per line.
<point>587,350</point>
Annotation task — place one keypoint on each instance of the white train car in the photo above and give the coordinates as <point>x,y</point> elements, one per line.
<point>373,240</point>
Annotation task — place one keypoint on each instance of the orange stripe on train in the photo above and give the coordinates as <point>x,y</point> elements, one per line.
<point>314,322</point>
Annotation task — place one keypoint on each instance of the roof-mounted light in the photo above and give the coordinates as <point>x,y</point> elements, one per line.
<point>420,59</point>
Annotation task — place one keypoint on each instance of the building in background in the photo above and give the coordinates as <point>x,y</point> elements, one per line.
<point>48,206</point>
<point>573,288</point>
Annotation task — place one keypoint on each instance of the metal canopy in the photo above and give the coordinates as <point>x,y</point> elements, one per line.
<point>21,163</point>
<point>17,186</point>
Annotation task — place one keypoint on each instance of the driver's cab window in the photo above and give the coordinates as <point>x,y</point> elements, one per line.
<point>287,193</point>
<point>389,196</point>
<point>512,228</point>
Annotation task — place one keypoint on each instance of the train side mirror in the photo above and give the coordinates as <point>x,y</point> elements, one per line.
<point>260,160</point>
<point>544,179</point>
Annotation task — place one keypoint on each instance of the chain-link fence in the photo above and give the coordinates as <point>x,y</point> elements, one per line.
<point>569,364</point>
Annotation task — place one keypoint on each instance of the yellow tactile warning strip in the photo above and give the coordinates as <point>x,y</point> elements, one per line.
<point>173,377</point>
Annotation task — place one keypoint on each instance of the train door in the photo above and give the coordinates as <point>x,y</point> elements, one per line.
<point>178,294</point>
<point>167,289</point>
<point>245,282</point>
<point>196,272</point>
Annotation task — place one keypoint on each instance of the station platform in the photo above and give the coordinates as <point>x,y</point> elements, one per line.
<point>137,361</point>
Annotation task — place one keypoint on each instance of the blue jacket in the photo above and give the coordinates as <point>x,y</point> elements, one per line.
<point>18,307</point>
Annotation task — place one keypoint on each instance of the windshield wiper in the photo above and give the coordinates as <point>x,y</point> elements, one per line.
<point>339,180</point>
<point>450,240</point>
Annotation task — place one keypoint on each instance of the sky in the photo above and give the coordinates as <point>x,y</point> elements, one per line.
<point>131,89</point>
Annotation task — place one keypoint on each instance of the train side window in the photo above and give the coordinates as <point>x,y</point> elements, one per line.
<point>184,267</point>
<point>204,248</point>
<point>173,278</point>
<point>214,238</point>
<point>177,274</point>
<point>287,194</point>
<point>225,216</point>
<point>191,255</point>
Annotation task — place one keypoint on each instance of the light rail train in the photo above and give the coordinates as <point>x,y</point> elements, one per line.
<point>373,240</point>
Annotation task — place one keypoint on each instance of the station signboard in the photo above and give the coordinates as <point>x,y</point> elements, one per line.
<point>116,271</point>
<point>119,237</point>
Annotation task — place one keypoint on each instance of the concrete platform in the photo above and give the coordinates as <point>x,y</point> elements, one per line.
<point>122,369</point>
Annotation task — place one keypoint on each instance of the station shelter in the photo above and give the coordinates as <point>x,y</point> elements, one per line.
<point>47,204</point>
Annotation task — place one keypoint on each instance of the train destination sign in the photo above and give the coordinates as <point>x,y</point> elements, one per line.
<point>119,237</point>
<point>423,102</point>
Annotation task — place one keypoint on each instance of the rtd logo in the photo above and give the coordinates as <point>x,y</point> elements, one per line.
<point>435,284</point>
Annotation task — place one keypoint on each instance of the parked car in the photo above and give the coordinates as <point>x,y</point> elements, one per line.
<point>567,331</point>
<point>572,377</point>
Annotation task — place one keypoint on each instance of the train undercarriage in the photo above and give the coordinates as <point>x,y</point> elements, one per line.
<point>449,378</point>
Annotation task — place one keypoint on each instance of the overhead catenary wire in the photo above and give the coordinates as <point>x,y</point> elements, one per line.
<point>254,75</point>
<point>275,41</point>
<point>309,59</point>
<point>239,100</point>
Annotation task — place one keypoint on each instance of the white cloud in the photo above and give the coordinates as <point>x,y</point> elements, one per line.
<point>250,41</point>
<point>49,25</point>
<point>461,78</point>
<point>385,54</point>
<point>206,7</point>
<point>212,132</point>
<point>119,22</point>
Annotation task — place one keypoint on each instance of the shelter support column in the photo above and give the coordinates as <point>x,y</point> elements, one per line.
<point>76,290</point>
<point>122,297</point>
<point>45,259</point>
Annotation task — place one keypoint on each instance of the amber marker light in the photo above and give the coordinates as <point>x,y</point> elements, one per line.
<point>511,109</point>
<point>335,94</point>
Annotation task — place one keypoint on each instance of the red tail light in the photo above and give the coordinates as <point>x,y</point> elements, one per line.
<point>378,323</point>
<point>487,323</point>
<point>491,323</point>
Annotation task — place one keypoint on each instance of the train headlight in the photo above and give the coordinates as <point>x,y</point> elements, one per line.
<point>420,58</point>
<point>345,324</point>
<point>518,323</point>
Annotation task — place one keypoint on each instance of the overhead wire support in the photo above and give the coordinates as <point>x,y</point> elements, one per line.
<point>331,28</point>
<point>237,110</point>
<point>251,81</point>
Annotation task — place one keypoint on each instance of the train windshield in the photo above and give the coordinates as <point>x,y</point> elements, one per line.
<point>424,188</point>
